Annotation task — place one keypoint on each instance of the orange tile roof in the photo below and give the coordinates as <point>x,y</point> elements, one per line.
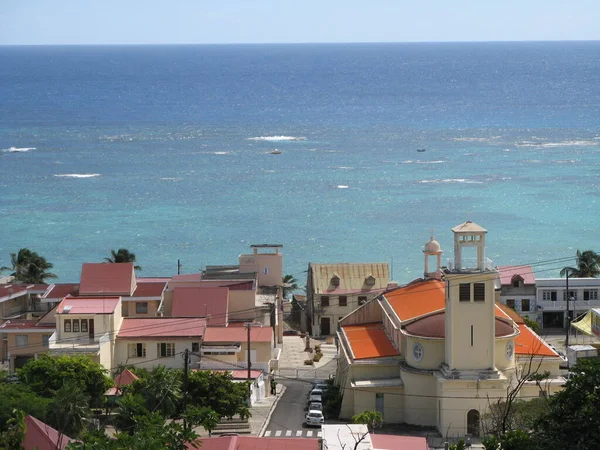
<point>369,341</point>
<point>509,312</point>
<point>529,343</point>
<point>417,299</point>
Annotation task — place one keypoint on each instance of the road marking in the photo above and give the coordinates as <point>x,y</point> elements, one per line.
<point>309,433</point>
<point>298,433</point>
<point>267,433</point>
<point>319,434</point>
<point>288,433</point>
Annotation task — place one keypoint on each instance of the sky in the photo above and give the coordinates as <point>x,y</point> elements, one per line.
<point>52,22</point>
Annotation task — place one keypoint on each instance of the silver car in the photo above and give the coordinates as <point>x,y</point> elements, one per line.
<point>314,418</point>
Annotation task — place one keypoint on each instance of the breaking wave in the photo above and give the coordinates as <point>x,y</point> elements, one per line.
<point>277,138</point>
<point>17,149</point>
<point>452,180</point>
<point>342,186</point>
<point>77,175</point>
<point>577,143</point>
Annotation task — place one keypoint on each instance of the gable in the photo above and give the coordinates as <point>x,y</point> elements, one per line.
<point>107,279</point>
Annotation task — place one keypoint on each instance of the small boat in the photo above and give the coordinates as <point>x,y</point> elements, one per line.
<point>275,152</point>
<point>420,150</point>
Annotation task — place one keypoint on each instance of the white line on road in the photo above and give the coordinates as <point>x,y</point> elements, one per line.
<point>288,433</point>
<point>309,433</point>
<point>319,433</point>
<point>278,433</point>
<point>298,432</point>
<point>268,433</point>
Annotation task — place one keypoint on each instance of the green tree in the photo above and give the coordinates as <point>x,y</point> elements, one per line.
<point>13,438</point>
<point>129,408</point>
<point>151,433</point>
<point>47,374</point>
<point>122,255</point>
<point>587,265</point>
<point>69,410</point>
<point>19,396</point>
<point>572,421</point>
<point>290,284</point>
<point>29,267</point>
<point>372,419</point>
<point>160,389</point>
<point>218,392</point>
<point>203,416</point>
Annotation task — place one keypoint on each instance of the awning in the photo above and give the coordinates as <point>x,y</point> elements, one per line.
<point>589,324</point>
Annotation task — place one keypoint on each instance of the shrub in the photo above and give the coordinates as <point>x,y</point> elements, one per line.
<point>317,357</point>
<point>318,348</point>
<point>308,362</point>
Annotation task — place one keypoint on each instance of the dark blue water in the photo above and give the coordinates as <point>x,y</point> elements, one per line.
<point>165,150</point>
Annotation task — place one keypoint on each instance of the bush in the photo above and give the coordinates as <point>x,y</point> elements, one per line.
<point>309,350</point>
<point>308,362</point>
<point>318,348</point>
<point>317,357</point>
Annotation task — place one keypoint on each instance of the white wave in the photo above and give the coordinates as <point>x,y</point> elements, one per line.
<point>410,161</point>
<point>476,139</point>
<point>344,168</point>
<point>577,143</point>
<point>277,138</point>
<point>342,186</point>
<point>221,153</point>
<point>77,175</point>
<point>452,180</point>
<point>17,149</point>
<point>171,179</point>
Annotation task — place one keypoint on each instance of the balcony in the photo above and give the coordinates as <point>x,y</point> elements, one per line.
<point>77,345</point>
<point>470,265</point>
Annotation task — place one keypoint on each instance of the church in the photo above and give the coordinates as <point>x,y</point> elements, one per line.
<point>439,350</point>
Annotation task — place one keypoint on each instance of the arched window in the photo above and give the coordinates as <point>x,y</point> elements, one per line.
<point>473,422</point>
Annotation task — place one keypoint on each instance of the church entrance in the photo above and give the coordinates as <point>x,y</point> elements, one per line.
<point>473,422</point>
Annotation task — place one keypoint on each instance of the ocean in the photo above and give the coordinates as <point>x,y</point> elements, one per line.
<point>166,151</point>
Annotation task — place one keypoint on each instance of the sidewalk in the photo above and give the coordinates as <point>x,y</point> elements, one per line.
<point>293,354</point>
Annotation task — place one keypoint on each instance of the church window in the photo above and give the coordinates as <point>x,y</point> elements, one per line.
<point>464,292</point>
<point>509,350</point>
<point>472,335</point>
<point>479,292</point>
<point>418,352</point>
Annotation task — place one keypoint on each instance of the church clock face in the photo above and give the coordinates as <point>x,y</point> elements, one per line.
<point>509,350</point>
<point>418,352</point>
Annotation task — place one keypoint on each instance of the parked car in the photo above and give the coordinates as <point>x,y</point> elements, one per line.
<point>315,406</point>
<point>315,398</point>
<point>314,418</point>
<point>316,392</point>
<point>316,382</point>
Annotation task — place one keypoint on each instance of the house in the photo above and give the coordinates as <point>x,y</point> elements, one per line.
<point>26,339</point>
<point>41,436</point>
<point>357,436</point>
<point>435,351</point>
<point>202,300</point>
<point>517,290</point>
<point>150,342</point>
<point>257,443</point>
<point>551,299</point>
<point>335,290</point>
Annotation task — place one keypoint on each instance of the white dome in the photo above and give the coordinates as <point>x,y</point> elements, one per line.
<point>432,246</point>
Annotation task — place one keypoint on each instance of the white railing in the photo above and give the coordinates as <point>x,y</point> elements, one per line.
<point>78,344</point>
<point>470,264</point>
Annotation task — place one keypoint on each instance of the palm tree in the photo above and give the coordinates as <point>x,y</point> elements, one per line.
<point>122,256</point>
<point>29,267</point>
<point>69,409</point>
<point>588,265</point>
<point>290,284</point>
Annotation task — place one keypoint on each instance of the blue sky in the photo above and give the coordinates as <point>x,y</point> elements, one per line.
<point>284,21</point>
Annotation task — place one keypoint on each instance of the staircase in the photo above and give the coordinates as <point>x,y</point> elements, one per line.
<point>234,426</point>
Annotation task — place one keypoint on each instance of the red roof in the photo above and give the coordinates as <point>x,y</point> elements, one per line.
<point>83,305</point>
<point>434,326</point>
<point>61,290</point>
<point>529,343</point>
<point>161,327</point>
<point>149,288</point>
<point>257,443</point>
<point>238,334</point>
<point>106,279</point>
<point>369,341</point>
<point>42,436</point>
<point>8,290</point>
<point>507,274</point>
<point>201,302</point>
<point>17,325</point>
<point>392,442</point>
<point>417,299</point>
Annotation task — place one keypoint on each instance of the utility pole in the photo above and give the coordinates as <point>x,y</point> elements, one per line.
<point>178,267</point>
<point>248,326</point>
<point>568,316</point>
<point>186,368</point>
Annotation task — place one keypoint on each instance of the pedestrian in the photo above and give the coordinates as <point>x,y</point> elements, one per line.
<point>273,387</point>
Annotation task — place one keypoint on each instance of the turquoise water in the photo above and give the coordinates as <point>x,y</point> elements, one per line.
<point>165,150</point>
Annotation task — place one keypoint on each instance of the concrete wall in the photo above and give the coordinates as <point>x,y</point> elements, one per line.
<point>268,266</point>
<point>129,308</point>
<point>502,363</point>
<point>152,359</point>
<point>433,352</point>
<point>420,401</point>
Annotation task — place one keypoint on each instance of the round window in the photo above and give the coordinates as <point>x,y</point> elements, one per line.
<point>509,350</point>
<point>418,351</point>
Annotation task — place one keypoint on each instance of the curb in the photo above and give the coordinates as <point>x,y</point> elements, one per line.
<point>268,419</point>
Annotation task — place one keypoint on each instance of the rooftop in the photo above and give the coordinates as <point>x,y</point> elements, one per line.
<point>59,291</point>
<point>19,325</point>
<point>529,343</point>
<point>417,299</point>
<point>107,279</point>
<point>238,334</point>
<point>86,305</point>
<point>149,289</point>
<point>469,227</point>
<point>434,326</point>
<point>201,302</point>
<point>257,443</point>
<point>42,436</point>
<point>162,327</point>
<point>507,274</point>
<point>352,277</point>
<point>369,341</point>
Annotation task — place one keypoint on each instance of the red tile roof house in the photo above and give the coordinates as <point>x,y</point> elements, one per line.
<point>41,436</point>
<point>26,339</point>
<point>208,302</point>
<point>257,443</point>
<point>518,289</point>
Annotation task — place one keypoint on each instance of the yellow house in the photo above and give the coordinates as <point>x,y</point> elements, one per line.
<point>436,351</point>
<point>335,290</point>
